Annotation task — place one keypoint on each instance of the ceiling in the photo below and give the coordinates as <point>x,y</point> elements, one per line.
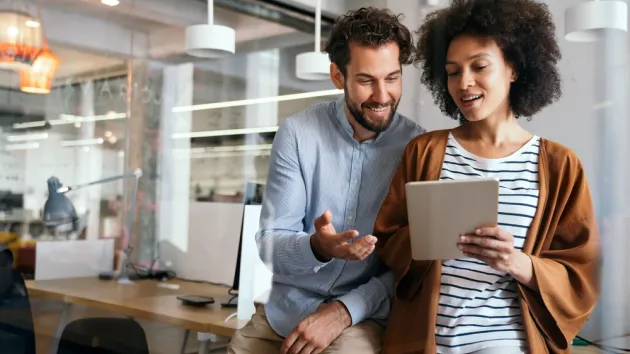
<point>159,22</point>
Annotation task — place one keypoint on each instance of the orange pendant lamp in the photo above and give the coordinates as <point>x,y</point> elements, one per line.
<point>21,39</point>
<point>23,46</point>
<point>39,76</point>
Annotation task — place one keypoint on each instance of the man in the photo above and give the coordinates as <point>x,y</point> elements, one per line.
<point>330,170</point>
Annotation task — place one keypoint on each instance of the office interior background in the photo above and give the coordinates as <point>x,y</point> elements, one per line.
<point>124,94</point>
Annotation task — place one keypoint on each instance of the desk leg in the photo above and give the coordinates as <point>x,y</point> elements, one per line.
<point>183,350</point>
<point>62,325</point>
<point>209,342</point>
<point>203,347</point>
<point>204,341</point>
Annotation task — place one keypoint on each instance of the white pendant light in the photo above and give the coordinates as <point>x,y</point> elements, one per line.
<point>314,65</point>
<point>592,20</point>
<point>210,40</point>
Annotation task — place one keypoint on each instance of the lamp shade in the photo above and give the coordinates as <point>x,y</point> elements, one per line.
<point>58,209</point>
<point>592,20</point>
<point>312,66</point>
<point>38,77</point>
<point>21,39</point>
<point>210,41</point>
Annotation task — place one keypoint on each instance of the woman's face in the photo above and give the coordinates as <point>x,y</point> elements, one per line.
<point>479,78</point>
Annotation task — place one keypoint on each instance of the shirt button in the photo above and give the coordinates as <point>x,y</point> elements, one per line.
<point>355,181</point>
<point>349,217</point>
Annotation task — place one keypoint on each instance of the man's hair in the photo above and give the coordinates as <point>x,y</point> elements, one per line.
<point>523,29</point>
<point>368,26</point>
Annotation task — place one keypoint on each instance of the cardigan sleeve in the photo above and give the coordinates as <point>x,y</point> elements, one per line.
<point>567,271</point>
<point>392,229</point>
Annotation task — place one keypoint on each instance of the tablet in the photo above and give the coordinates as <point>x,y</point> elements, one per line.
<point>440,211</point>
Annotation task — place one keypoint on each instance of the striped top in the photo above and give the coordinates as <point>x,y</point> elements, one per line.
<point>478,306</point>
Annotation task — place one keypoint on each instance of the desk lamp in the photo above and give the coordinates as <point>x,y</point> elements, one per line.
<point>58,210</point>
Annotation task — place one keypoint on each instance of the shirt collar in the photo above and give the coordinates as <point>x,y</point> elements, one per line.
<point>340,113</point>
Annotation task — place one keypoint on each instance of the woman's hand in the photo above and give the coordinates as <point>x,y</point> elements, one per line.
<point>495,247</point>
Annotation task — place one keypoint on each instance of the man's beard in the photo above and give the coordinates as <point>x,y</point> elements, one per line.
<point>375,127</point>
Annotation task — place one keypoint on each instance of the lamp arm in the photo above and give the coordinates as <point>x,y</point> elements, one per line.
<point>137,173</point>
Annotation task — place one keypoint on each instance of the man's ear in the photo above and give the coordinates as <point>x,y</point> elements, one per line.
<point>336,76</point>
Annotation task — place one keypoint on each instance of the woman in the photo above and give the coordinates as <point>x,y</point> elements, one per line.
<point>529,284</point>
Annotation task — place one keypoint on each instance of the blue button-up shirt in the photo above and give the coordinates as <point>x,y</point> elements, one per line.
<point>315,165</point>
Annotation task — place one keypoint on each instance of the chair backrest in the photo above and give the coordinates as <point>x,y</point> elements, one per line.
<point>17,335</point>
<point>103,335</point>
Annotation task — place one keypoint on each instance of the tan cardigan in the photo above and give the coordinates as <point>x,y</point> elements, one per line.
<point>563,243</point>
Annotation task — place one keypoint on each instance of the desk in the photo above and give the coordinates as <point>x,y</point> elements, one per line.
<point>143,299</point>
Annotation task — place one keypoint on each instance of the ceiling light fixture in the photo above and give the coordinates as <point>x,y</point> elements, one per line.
<point>210,40</point>
<point>593,20</point>
<point>69,119</point>
<point>27,137</point>
<point>252,101</point>
<point>39,76</point>
<point>314,65</point>
<point>226,132</point>
<point>23,146</point>
<point>83,142</point>
<point>110,2</point>
<point>19,43</point>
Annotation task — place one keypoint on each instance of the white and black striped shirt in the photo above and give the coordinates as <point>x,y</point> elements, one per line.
<point>478,306</point>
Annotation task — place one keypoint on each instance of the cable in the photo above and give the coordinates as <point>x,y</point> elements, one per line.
<point>231,299</point>
<point>602,346</point>
<point>199,281</point>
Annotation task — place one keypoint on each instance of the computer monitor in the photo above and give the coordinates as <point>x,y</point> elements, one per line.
<point>253,196</point>
<point>10,201</point>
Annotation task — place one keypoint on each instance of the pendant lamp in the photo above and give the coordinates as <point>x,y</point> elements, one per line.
<point>210,40</point>
<point>38,77</point>
<point>592,20</point>
<point>21,38</point>
<point>314,65</point>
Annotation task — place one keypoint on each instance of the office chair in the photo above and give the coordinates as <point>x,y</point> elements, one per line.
<point>102,335</point>
<point>17,334</point>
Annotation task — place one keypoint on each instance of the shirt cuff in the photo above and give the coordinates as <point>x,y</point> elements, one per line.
<point>304,247</point>
<point>363,301</point>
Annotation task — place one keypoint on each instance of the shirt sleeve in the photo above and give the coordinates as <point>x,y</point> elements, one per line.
<point>392,229</point>
<point>282,243</point>
<point>567,272</point>
<point>370,300</point>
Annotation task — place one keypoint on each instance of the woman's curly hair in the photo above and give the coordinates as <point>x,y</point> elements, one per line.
<point>523,29</point>
<point>368,26</point>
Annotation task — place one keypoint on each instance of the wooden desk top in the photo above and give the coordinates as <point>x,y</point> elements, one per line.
<point>145,299</point>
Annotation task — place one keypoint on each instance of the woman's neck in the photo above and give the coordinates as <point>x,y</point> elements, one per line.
<point>495,131</point>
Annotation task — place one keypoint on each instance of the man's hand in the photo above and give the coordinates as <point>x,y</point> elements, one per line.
<point>315,333</point>
<point>328,244</point>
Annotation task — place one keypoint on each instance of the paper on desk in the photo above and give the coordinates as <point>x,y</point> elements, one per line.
<point>73,259</point>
